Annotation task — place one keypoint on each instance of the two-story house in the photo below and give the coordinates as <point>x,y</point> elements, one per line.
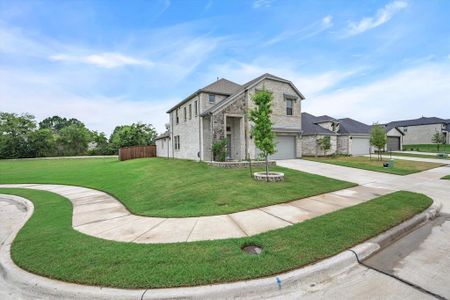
<point>220,110</point>
<point>415,131</point>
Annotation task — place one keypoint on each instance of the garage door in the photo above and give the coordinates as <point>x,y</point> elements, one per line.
<point>393,143</point>
<point>360,146</point>
<point>285,146</point>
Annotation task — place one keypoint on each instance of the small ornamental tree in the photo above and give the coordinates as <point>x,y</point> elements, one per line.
<point>324,144</point>
<point>438,138</point>
<point>262,129</point>
<point>378,138</point>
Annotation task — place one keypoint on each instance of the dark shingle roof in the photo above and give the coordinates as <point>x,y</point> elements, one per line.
<point>309,125</point>
<point>348,125</point>
<point>222,86</point>
<point>415,122</point>
<point>246,86</point>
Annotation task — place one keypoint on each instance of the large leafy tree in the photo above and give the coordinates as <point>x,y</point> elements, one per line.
<point>262,130</point>
<point>56,123</point>
<point>136,134</point>
<point>14,135</point>
<point>100,144</point>
<point>73,140</point>
<point>378,138</point>
<point>43,142</point>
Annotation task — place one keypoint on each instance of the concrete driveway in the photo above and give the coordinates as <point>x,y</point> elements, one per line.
<point>414,267</point>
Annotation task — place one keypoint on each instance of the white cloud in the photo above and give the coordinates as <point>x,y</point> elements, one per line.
<point>305,32</point>
<point>104,60</point>
<point>262,3</point>
<point>382,16</point>
<point>308,84</point>
<point>411,93</point>
<point>23,92</point>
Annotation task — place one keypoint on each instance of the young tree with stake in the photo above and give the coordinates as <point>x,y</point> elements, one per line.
<point>262,129</point>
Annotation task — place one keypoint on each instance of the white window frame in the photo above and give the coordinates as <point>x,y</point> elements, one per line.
<point>213,97</point>
<point>291,101</point>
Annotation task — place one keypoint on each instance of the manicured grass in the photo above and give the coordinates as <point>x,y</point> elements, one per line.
<point>401,167</point>
<point>49,246</point>
<point>427,148</point>
<point>415,155</point>
<point>170,188</point>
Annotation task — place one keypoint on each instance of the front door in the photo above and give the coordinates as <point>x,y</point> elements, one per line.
<point>228,146</point>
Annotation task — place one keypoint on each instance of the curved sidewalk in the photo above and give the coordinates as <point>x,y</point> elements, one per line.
<point>100,215</point>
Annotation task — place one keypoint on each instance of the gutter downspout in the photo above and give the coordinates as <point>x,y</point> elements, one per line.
<point>200,129</point>
<point>171,133</point>
<point>212,134</point>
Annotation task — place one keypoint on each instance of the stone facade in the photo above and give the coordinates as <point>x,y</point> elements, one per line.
<point>198,133</point>
<point>343,144</point>
<point>240,164</point>
<point>163,147</point>
<point>187,129</point>
<point>310,147</point>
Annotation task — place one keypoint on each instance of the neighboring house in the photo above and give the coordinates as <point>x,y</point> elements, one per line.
<point>220,110</point>
<point>415,131</point>
<point>347,136</point>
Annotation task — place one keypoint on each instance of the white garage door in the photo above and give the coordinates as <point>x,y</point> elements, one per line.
<point>360,146</point>
<point>285,145</point>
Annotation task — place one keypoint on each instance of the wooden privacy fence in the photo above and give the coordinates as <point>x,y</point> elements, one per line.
<point>127,153</point>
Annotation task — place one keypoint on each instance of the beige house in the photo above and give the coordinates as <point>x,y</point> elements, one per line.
<point>347,136</point>
<point>220,110</point>
<point>415,131</point>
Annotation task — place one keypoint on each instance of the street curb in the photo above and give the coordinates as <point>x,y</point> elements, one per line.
<point>321,271</point>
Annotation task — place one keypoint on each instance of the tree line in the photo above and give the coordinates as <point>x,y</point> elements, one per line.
<point>21,137</point>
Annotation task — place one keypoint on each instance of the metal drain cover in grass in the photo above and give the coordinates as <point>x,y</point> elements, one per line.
<point>252,249</point>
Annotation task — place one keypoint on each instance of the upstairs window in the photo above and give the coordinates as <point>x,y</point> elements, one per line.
<point>190,111</point>
<point>289,107</point>
<point>177,119</point>
<point>177,142</point>
<point>211,98</point>
<point>196,108</point>
<point>185,115</point>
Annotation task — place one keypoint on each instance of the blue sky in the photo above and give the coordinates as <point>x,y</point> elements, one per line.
<point>116,62</point>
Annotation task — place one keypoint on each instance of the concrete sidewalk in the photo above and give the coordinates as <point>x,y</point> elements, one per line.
<point>100,215</point>
<point>424,159</point>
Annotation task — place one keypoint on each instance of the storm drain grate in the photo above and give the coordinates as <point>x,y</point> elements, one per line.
<point>252,249</point>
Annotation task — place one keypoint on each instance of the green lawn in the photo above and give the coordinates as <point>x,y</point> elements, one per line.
<point>170,188</point>
<point>48,245</point>
<point>401,167</point>
<point>415,155</point>
<point>427,148</point>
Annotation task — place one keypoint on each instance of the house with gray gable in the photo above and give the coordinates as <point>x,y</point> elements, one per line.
<point>220,110</point>
<point>415,131</point>
<point>347,136</point>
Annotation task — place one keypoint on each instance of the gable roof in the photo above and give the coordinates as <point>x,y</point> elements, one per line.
<point>310,125</point>
<point>247,86</point>
<point>348,125</point>
<point>415,122</point>
<point>222,86</point>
